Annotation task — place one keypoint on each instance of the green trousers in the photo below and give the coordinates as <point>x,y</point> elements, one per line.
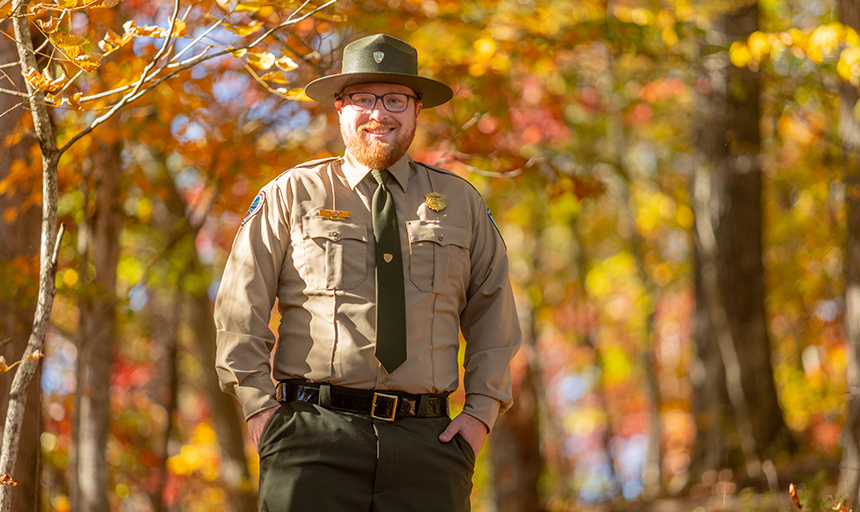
<point>317,460</point>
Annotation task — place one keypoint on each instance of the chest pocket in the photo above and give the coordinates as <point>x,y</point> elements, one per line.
<point>439,256</point>
<point>335,253</point>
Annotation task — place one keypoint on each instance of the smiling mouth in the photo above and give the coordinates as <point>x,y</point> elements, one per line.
<point>378,129</point>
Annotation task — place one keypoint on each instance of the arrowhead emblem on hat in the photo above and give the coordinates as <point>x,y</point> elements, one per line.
<point>378,56</point>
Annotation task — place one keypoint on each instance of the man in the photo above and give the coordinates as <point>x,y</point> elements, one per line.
<point>377,261</point>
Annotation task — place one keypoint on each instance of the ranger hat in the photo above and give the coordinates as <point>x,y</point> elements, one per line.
<point>383,59</point>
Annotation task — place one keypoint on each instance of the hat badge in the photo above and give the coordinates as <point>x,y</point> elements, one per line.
<point>378,56</point>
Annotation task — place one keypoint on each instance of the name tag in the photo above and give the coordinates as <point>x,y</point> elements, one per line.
<point>334,214</point>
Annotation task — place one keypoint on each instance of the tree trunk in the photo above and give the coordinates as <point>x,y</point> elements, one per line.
<point>20,404</point>
<point>515,451</point>
<point>729,142</point>
<point>227,420</point>
<point>164,309</point>
<point>19,252</point>
<point>97,319</point>
<point>849,131</point>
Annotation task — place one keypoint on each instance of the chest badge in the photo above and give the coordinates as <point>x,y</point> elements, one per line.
<point>435,202</point>
<point>334,214</point>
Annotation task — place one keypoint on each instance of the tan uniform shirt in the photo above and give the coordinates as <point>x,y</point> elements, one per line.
<point>321,270</point>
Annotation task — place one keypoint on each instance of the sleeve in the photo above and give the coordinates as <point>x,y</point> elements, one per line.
<point>489,323</point>
<point>245,299</point>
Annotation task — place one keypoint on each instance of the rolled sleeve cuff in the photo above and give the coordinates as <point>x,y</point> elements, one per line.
<point>257,396</point>
<point>483,408</point>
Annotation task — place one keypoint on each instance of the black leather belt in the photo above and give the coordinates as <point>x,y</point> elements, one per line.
<point>381,405</point>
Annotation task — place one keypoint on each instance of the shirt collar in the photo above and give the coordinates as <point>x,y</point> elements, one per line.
<point>355,172</point>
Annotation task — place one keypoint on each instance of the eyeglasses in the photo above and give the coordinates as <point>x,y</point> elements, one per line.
<point>393,102</point>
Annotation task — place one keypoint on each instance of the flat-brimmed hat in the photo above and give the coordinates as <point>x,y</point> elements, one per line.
<point>383,59</point>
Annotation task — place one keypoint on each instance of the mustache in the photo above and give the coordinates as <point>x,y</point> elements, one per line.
<point>374,125</point>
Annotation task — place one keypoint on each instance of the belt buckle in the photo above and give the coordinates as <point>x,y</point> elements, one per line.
<point>376,396</point>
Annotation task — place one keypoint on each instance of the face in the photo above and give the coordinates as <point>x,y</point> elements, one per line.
<point>377,138</point>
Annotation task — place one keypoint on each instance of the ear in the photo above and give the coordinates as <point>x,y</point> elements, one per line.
<point>338,104</point>
<point>418,107</point>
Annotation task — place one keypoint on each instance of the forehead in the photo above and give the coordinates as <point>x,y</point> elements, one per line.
<point>378,88</point>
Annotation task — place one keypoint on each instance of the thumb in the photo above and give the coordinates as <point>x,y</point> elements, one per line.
<point>448,433</point>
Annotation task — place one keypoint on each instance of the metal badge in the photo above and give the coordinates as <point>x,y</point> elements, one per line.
<point>435,202</point>
<point>378,56</point>
<point>334,214</point>
<point>388,257</point>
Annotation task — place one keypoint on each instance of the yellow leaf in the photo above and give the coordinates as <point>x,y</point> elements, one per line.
<point>239,53</point>
<point>36,355</point>
<point>227,5</point>
<point>297,94</point>
<point>250,6</point>
<point>56,101</point>
<point>74,101</point>
<point>262,60</point>
<point>740,55</point>
<point>759,44</point>
<point>104,4</point>
<point>50,26</point>
<point>286,64</point>
<point>63,41</point>
<point>67,4</point>
<point>88,62</point>
<point>3,366</point>
<point>179,29</point>
<point>275,76</point>
<point>244,30</point>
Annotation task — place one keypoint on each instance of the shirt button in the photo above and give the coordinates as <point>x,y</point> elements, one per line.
<point>441,237</point>
<point>333,234</point>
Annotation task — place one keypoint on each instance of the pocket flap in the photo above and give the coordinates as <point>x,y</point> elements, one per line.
<point>441,234</point>
<point>317,226</point>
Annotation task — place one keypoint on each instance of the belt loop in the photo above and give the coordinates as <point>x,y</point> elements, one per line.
<point>325,395</point>
<point>423,405</point>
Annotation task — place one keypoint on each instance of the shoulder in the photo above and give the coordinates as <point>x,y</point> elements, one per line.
<point>309,167</point>
<point>449,175</point>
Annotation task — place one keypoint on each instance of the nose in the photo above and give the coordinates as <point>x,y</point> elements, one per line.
<point>378,111</point>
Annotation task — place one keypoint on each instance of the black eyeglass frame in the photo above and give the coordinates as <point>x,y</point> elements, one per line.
<point>378,98</point>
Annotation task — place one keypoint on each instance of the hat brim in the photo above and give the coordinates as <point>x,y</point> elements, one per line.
<point>433,93</point>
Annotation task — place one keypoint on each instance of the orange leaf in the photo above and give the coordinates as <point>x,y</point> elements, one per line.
<point>36,355</point>
<point>3,366</point>
<point>88,62</point>
<point>104,4</point>
<point>8,480</point>
<point>74,101</point>
<point>297,94</point>
<point>792,491</point>
<point>179,29</point>
<point>50,26</point>
<point>56,101</point>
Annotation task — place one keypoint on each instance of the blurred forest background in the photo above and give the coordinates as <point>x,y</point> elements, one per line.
<point>677,182</point>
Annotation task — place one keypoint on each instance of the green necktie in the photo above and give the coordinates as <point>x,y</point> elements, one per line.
<point>390,299</point>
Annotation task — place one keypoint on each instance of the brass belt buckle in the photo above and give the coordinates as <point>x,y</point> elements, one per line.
<point>376,396</point>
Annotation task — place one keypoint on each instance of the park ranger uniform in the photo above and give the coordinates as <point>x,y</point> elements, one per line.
<point>307,241</point>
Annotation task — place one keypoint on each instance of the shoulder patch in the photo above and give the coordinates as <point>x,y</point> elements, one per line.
<point>256,205</point>
<point>497,227</point>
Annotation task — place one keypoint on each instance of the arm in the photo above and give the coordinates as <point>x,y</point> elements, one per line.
<point>245,298</point>
<point>489,323</point>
